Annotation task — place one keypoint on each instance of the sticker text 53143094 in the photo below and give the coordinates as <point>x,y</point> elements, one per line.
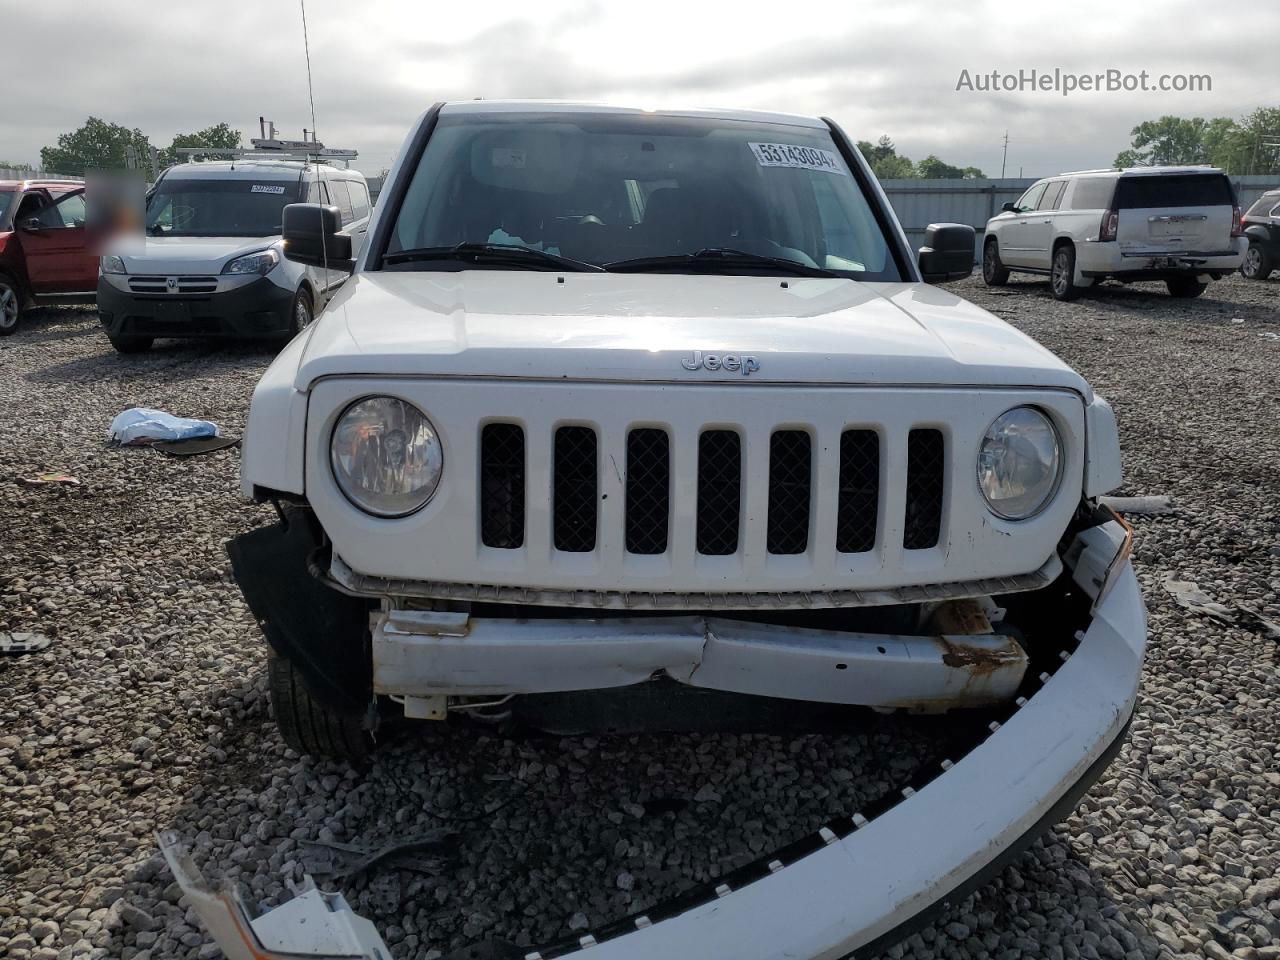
<point>793,155</point>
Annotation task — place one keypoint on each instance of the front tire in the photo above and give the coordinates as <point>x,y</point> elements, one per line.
<point>301,312</point>
<point>310,726</point>
<point>994,273</point>
<point>124,343</point>
<point>1185,288</point>
<point>1062,276</point>
<point>10,306</point>
<point>1257,265</point>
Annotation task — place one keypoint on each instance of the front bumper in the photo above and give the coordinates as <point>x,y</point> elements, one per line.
<point>867,878</point>
<point>259,308</point>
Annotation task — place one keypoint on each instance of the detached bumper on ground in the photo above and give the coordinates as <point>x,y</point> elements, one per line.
<point>867,878</point>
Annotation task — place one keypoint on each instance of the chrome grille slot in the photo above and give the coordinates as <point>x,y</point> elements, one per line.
<point>182,285</point>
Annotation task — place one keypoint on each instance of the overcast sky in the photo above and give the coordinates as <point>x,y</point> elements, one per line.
<point>888,67</point>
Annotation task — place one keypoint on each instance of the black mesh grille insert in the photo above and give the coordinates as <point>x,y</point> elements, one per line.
<point>648,490</point>
<point>502,485</point>
<point>574,493</point>
<point>924,489</point>
<point>859,491</point>
<point>719,491</point>
<point>789,485</point>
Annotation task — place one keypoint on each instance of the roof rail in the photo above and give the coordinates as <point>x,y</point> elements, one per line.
<point>1072,173</point>
<point>304,150</point>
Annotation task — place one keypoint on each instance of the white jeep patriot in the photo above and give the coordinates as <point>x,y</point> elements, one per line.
<point>624,407</point>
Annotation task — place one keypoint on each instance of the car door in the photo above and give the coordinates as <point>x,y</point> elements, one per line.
<point>1015,237</point>
<point>1038,229</point>
<point>340,195</point>
<point>360,210</point>
<point>55,245</point>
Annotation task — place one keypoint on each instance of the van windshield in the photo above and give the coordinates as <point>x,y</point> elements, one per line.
<point>640,192</point>
<point>219,208</point>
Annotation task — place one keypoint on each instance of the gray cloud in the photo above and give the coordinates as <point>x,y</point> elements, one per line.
<point>876,67</point>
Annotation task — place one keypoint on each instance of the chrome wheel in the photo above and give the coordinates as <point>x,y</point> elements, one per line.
<point>1252,262</point>
<point>301,313</point>
<point>1061,272</point>
<point>9,306</point>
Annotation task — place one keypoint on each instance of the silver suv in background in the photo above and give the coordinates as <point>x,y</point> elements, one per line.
<point>211,263</point>
<point>1176,224</point>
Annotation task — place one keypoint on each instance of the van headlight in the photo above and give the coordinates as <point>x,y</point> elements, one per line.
<point>1019,463</point>
<point>386,456</point>
<point>110,263</point>
<point>262,263</point>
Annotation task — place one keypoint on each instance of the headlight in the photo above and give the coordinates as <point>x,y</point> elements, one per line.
<point>260,262</point>
<point>112,264</point>
<point>386,456</point>
<point>1019,463</point>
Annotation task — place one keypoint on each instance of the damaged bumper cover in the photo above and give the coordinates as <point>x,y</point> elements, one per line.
<point>868,878</point>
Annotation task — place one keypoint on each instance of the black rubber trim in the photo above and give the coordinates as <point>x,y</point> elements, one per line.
<point>323,633</point>
<point>1058,812</point>
<point>903,256</point>
<point>395,191</point>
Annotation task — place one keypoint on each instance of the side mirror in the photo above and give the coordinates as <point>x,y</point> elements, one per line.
<point>947,253</point>
<point>31,225</point>
<point>1008,207</point>
<point>312,235</point>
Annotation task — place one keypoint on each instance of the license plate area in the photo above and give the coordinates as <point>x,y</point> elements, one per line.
<point>172,312</point>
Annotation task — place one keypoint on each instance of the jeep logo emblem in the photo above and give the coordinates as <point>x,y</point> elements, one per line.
<point>730,362</point>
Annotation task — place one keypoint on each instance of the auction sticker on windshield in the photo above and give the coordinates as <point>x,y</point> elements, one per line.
<point>792,155</point>
<point>266,188</point>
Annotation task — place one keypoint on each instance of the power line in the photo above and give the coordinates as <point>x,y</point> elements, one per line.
<point>306,45</point>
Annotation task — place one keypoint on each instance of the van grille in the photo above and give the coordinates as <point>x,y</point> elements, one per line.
<point>791,523</point>
<point>183,285</point>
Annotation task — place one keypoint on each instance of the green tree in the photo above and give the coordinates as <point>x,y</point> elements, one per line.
<point>220,136</point>
<point>1175,140</point>
<point>97,145</point>
<point>886,163</point>
<point>931,168</point>
<point>1252,145</point>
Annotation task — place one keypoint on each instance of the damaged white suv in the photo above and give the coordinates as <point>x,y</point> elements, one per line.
<point>622,405</point>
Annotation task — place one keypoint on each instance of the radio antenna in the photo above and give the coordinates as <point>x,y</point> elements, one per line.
<point>306,45</point>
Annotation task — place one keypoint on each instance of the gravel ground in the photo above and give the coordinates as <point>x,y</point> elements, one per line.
<point>149,710</point>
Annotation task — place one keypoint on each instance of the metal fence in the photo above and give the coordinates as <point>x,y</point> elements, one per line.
<point>919,203</point>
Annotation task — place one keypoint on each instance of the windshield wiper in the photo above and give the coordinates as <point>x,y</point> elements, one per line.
<point>719,256</point>
<point>504,253</point>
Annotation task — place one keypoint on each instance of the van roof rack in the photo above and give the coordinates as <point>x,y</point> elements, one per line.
<point>262,149</point>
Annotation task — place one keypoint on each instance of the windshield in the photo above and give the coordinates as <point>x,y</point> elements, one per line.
<point>218,208</point>
<point>606,189</point>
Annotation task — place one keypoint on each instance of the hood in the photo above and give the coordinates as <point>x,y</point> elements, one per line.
<point>633,327</point>
<point>189,255</point>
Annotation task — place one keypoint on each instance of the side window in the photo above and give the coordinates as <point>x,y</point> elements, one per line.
<point>1049,201</point>
<point>1093,193</point>
<point>341,199</point>
<point>316,193</point>
<point>31,206</point>
<point>66,212</point>
<point>1275,211</point>
<point>1029,199</point>
<point>359,199</point>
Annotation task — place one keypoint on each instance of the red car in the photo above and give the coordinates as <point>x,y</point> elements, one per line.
<point>44,251</point>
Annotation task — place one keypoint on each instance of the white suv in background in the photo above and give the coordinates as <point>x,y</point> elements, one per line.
<point>1176,224</point>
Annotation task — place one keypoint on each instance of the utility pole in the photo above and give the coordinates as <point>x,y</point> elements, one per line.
<point>1005,155</point>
